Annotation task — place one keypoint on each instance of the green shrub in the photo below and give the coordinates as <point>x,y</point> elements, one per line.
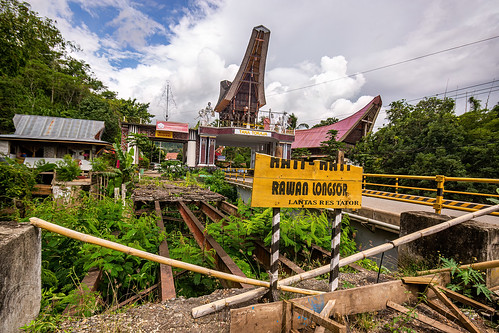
<point>16,182</point>
<point>67,169</point>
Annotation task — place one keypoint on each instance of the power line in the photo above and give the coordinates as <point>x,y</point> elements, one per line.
<point>459,95</point>
<point>387,66</point>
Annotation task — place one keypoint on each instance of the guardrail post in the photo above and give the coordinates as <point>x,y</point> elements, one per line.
<point>363,182</point>
<point>397,185</point>
<point>440,193</point>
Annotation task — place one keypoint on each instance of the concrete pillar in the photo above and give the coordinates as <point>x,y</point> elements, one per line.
<point>469,242</point>
<point>20,275</point>
<point>191,154</point>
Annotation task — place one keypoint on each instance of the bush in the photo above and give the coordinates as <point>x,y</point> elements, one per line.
<point>16,182</point>
<point>68,169</point>
<point>217,184</point>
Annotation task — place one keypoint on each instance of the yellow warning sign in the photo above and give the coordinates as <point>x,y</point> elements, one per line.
<point>299,184</point>
<point>164,134</point>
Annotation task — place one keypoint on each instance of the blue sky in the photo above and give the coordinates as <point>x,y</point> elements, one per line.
<point>330,46</point>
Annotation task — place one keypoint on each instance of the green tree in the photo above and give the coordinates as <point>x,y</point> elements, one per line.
<point>480,154</point>
<point>133,111</point>
<point>330,146</point>
<point>424,139</point>
<point>292,120</point>
<point>300,153</point>
<point>328,121</point>
<point>37,76</point>
<point>146,145</point>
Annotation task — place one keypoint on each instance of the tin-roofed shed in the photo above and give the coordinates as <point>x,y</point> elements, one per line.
<point>53,137</point>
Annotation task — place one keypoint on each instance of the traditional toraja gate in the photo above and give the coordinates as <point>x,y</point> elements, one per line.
<point>241,123</point>
<point>298,184</point>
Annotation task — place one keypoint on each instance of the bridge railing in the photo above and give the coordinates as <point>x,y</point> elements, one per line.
<point>239,175</point>
<point>433,194</point>
<point>424,190</point>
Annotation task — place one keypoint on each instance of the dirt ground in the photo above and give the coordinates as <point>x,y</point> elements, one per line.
<point>175,315</point>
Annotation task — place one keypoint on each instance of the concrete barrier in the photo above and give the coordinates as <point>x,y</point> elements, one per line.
<point>20,275</point>
<point>466,243</point>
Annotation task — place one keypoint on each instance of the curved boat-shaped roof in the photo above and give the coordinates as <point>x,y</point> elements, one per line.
<point>251,71</point>
<point>350,130</point>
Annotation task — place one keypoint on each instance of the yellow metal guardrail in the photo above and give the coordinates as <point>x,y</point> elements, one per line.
<point>438,202</point>
<point>243,175</point>
<point>238,175</point>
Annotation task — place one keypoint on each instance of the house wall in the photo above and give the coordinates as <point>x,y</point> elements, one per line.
<point>4,147</point>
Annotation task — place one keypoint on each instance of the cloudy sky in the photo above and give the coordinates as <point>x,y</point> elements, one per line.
<point>326,58</point>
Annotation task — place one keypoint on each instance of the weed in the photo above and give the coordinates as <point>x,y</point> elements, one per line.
<point>468,281</point>
<point>347,285</point>
<point>365,321</point>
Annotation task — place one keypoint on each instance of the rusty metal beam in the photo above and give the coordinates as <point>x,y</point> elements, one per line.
<point>166,282</point>
<point>262,254</point>
<point>213,213</point>
<point>223,262</point>
<point>228,208</point>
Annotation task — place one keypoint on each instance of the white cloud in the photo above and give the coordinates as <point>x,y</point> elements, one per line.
<point>311,42</point>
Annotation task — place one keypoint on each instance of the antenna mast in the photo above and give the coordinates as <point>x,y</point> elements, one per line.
<point>167,91</point>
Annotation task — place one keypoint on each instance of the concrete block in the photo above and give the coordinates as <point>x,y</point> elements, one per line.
<point>469,242</point>
<point>377,214</point>
<point>20,275</point>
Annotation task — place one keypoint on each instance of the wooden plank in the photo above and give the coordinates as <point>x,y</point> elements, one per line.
<point>422,318</point>
<point>258,318</point>
<point>417,280</point>
<point>349,301</point>
<point>466,300</point>
<point>326,312</point>
<point>317,318</point>
<point>438,279</point>
<point>454,309</point>
<point>443,311</point>
<point>291,266</point>
<point>166,282</point>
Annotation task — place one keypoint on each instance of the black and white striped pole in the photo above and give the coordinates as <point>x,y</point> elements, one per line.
<point>274,255</point>
<point>334,271</point>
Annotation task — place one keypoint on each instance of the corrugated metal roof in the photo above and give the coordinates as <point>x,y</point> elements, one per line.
<point>56,128</point>
<point>312,138</point>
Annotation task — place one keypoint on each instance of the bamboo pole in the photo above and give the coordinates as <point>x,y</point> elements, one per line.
<point>159,259</point>
<point>220,304</point>
<point>479,266</point>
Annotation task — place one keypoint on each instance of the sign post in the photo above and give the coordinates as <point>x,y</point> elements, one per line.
<point>334,271</point>
<point>274,254</point>
<point>280,183</point>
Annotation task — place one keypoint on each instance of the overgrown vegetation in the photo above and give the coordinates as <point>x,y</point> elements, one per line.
<point>16,182</point>
<point>466,281</point>
<point>39,77</point>
<point>65,261</point>
<point>430,139</point>
<point>299,230</point>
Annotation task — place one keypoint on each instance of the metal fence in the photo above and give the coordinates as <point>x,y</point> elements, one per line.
<point>437,191</point>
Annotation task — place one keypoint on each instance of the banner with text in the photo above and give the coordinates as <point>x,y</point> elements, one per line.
<point>298,184</point>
